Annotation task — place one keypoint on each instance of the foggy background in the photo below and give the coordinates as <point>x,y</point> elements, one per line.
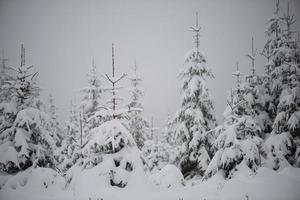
<point>62,37</point>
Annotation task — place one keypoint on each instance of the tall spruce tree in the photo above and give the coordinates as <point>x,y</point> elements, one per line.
<point>24,87</point>
<point>26,137</point>
<point>257,94</point>
<point>238,143</point>
<point>195,117</point>
<point>4,78</point>
<point>137,123</point>
<point>282,146</point>
<point>91,99</point>
<point>70,150</point>
<point>52,112</point>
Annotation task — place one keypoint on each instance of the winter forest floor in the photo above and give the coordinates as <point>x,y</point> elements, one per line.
<point>265,184</point>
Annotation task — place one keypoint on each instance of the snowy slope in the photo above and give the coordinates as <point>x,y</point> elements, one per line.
<point>264,185</point>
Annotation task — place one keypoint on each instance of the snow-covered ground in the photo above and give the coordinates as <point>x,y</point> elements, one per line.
<point>265,184</point>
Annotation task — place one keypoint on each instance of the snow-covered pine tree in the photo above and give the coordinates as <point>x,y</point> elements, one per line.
<point>24,87</point>
<point>137,123</point>
<point>52,112</point>
<point>110,110</point>
<point>168,131</point>
<point>196,114</point>
<point>162,148</point>
<point>282,146</point>
<point>52,109</point>
<point>110,149</point>
<point>26,138</point>
<point>72,124</point>
<point>274,34</point>
<point>238,144</point>
<point>4,77</point>
<point>91,99</point>
<point>72,143</point>
<point>158,153</point>
<point>54,125</point>
<point>156,149</point>
<point>257,95</point>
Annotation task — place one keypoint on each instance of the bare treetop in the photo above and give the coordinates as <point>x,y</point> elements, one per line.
<point>114,80</point>
<point>252,56</point>
<point>237,74</point>
<point>22,55</point>
<point>196,29</point>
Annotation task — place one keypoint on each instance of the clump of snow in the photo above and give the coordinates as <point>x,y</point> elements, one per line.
<point>169,176</point>
<point>294,121</point>
<point>8,154</point>
<point>277,146</point>
<point>8,108</point>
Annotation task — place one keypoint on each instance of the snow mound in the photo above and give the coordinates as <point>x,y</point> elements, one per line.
<point>118,170</point>
<point>242,171</point>
<point>169,176</point>
<point>291,173</point>
<point>265,184</point>
<point>8,154</point>
<point>34,179</point>
<point>89,180</point>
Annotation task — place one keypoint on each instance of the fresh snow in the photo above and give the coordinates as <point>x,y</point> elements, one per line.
<point>265,184</point>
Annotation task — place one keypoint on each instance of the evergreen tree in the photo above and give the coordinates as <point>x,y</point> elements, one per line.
<point>161,149</point>
<point>257,95</point>
<point>24,88</point>
<point>196,114</point>
<point>282,146</point>
<point>168,132</point>
<point>91,99</point>
<point>137,123</point>
<point>70,150</point>
<point>158,153</point>
<point>110,110</point>
<point>26,137</point>
<point>52,112</point>
<point>238,143</point>
<point>4,78</point>
<point>110,148</point>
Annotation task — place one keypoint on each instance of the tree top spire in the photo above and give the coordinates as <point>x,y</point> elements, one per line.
<point>93,62</point>
<point>196,29</point>
<point>252,56</point>
<point>237,74</point>
<point>113,59</point>
<point>135,66</point>
<point>22,55</point>
<point>277,7</point>
<point>114,80</point>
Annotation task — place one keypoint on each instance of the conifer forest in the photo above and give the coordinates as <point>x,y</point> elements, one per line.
<point>116,100</point>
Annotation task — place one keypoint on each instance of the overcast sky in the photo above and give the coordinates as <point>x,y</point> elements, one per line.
<point>61,37</point>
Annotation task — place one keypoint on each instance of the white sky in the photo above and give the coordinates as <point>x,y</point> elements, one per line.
<point>61,37</point>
